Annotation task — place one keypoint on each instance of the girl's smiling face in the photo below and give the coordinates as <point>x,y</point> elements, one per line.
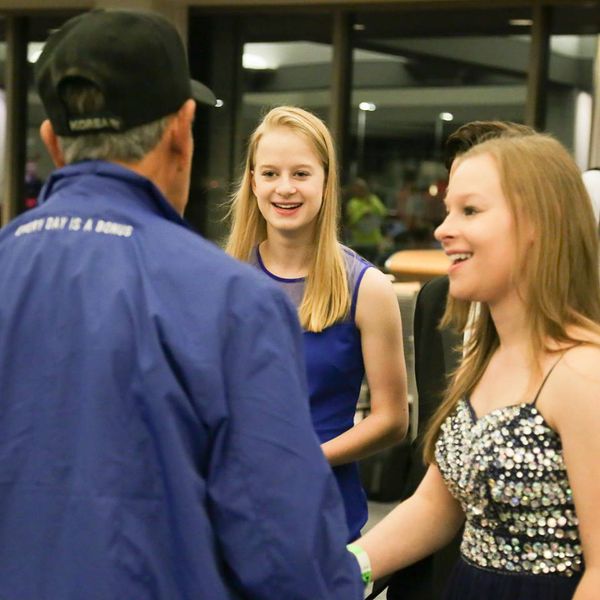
<point>288,181</point>
<point>478,233</point>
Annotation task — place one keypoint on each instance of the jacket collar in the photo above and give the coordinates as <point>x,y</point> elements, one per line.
<point>140,186</point>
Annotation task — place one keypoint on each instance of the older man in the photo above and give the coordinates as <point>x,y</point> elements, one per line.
<point>155,438</point>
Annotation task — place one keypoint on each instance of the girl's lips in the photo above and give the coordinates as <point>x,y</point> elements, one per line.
<point>457,259</point>
<point>281,209</point>
<point>459,256</point>
<point>288,206</point>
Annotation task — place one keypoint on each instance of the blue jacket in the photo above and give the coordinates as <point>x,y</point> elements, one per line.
<point>155,437</point>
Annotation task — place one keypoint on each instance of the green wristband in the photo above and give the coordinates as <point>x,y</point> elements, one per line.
<point>365,566</point>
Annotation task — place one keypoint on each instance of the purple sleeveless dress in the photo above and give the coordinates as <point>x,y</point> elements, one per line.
<point>335,371</point>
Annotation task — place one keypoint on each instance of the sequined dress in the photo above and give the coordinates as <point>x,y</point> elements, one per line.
<point>506,469</point>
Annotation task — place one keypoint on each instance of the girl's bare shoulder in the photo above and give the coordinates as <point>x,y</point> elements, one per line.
<point>578,372</point>
<point>585,354</point>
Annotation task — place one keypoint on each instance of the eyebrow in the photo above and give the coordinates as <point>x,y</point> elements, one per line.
<point>464,197</point>
<point>468,194</point>
<point>268,166</point>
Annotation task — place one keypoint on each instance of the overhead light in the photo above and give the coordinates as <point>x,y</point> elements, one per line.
<point>446,116</point>
<point>358,27</point>
<point>219,103</point>
<point>34,49</point>
<point>367,106</point>
<point>254,61</point>
<point>521,22</point>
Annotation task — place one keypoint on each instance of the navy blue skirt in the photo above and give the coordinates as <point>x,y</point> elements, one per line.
<point>468,582</point>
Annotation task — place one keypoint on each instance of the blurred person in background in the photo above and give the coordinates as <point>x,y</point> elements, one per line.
<point>365,214</point>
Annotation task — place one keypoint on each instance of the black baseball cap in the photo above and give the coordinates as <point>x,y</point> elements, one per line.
<point>136,59</point>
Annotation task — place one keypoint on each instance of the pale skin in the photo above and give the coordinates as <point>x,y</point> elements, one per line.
<point>167,165</point>
<point>569,401</point>
<point>288,171</point>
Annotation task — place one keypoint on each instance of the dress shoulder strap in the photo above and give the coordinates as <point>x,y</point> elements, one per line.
<point>356,266</point>
<point>548,375</point>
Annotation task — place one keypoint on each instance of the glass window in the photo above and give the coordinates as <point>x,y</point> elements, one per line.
<point>415,80</point>
<point>573,45</point>
<point>38,164</point>
<point>253,61</point>
<point>277,73</point>
<point>286,59</point>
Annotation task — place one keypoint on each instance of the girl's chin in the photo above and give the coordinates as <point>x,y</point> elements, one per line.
<point>461,294</point>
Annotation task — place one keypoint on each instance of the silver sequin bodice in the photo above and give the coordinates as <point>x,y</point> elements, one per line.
<point>507,471</point>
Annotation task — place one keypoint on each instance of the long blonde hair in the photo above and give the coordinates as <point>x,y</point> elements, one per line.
<point>326,296</point>
<point>544,190</point>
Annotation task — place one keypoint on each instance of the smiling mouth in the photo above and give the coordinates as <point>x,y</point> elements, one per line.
<point>458,258</point>
<point>286,206</point>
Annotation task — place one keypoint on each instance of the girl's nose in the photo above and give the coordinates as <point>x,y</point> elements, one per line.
<point>444,230</point>
<point>285,187</point>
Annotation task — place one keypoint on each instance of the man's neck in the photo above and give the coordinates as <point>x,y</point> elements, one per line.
<point>155,167</point>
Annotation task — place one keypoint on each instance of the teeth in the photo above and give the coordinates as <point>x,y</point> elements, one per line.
<point>287,206</point>
<point>459,257</point>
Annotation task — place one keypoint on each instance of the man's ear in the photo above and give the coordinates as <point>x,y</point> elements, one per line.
<point>181,137</point>
<point>50,140</point>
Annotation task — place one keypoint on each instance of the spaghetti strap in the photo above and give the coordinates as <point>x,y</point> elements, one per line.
<point>548,375</point>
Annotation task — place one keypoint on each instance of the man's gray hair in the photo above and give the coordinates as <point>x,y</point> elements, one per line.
<point>129,146</point>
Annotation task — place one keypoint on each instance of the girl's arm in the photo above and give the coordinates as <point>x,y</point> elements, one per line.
<point>378,319</point>
<point>417,527</point>
<point>572,406</point>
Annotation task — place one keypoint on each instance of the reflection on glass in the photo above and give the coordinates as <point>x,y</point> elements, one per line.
<point>423,87</point>
<point>37,164</point>
<point>570,92</point>
<point>290,72</point>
